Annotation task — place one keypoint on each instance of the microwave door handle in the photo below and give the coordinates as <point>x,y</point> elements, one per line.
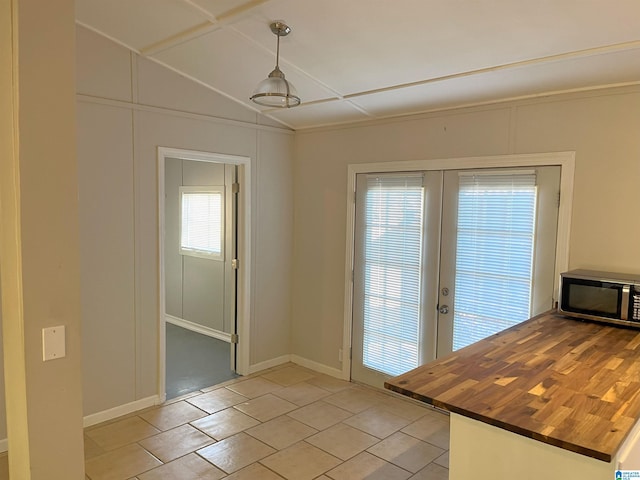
<point>624,314</point>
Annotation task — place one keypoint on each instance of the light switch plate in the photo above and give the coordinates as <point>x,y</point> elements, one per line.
<point>53,343</point>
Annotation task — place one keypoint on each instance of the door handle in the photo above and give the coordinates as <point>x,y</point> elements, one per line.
<point>444,309</point>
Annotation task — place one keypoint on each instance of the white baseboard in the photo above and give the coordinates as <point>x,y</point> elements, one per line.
<point>106,415</point>
<point>274,362</point>
<point>196,327</point>
<point>303,362</point>
<point>317,367</point>
<point>120,410</point>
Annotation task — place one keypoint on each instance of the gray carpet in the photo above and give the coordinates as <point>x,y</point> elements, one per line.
<point>195,361</point>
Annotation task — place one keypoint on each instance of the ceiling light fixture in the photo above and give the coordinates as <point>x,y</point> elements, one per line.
<point>275,90</point>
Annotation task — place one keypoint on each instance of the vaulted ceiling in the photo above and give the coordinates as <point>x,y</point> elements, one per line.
<point>355,60</point>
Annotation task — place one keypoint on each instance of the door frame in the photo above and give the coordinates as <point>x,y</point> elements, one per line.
<point>566,160</point>
<point>243,291</point>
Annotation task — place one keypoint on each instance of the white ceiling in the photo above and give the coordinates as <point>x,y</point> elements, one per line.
<point>354,60</point>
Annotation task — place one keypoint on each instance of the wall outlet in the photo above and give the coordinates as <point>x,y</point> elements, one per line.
<point>340,354</point>
<point>53,343</point>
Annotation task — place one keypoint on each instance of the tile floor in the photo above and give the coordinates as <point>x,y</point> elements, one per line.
<point>283,423</point>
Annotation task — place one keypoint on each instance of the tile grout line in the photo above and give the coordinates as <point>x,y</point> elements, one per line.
<point>356,389</point>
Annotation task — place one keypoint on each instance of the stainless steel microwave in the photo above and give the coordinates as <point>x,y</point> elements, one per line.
<point>601,296</point>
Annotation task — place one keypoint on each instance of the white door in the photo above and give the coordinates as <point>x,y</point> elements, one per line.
<point>396,273</point>
<point>425,283</point>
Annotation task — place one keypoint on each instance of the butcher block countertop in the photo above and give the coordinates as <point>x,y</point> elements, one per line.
<point>564,382</point>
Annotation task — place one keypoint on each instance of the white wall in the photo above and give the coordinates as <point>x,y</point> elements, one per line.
<point>127,107</point>
<point>40,235</point>
<point>602,127</point>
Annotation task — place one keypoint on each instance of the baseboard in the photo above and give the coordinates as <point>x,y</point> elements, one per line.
<point>120,410</point>
<point>303,362</point>
<point>195,327</point>
<point>317,367</point>
<point>274,362</point>
<point>104,416</point>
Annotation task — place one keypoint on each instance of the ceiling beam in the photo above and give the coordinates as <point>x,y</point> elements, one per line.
<point>212,24</point>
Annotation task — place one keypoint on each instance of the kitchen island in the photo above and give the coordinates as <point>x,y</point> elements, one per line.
<point>552,397</point>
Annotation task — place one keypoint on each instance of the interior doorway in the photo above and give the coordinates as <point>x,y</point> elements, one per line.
<point>203,239</point>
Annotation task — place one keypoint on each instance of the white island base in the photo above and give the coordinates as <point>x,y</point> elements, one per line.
<point>479,451</point>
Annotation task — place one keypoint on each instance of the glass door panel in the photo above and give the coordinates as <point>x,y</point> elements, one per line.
<point>495,265</point>
<point>393,253</point>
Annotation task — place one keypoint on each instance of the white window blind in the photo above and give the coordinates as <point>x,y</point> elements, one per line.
<point>202,221</point>
<point>393,264</point>
<point>494,261</point>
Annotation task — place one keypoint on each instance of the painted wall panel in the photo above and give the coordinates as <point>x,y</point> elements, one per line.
<point>203,292</point>
<point>107,235</point>
<point>103,68</point>
<point>159,86</point>
<point>603,130</point>
<point>196,174</point>
<point>271,327</point>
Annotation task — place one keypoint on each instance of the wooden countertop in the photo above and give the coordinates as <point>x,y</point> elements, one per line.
<point>568,383</point>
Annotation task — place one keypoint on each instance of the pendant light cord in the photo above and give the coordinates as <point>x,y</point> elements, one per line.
<point>278,52</point>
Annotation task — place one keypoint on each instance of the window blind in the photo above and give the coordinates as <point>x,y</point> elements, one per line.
<point>393,264</point>
<point>202,223</point>
<point>494,260</point>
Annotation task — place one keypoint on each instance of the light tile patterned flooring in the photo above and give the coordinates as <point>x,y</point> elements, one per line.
<point>287,422</point>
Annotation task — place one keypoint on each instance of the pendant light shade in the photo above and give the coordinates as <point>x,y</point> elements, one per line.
<point>275,90</point>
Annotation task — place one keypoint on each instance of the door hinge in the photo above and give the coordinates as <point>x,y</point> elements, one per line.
<point>234,338</point>
<point>235,264</point>
<point>235,188</point>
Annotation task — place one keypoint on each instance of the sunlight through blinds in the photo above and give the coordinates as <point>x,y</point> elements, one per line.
<point>202,223</point>
<point>494,259</point>
<point>393,264</point>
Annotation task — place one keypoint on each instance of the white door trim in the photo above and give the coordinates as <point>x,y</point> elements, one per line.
<point>566,160</point>
<point>243,307</point>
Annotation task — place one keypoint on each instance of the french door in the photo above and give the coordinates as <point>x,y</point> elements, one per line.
<point>446,258</point>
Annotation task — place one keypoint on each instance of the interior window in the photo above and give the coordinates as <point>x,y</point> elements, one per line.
<point>202,221</point>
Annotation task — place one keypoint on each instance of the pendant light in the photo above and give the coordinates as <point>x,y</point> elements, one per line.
<point>275,90</point>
